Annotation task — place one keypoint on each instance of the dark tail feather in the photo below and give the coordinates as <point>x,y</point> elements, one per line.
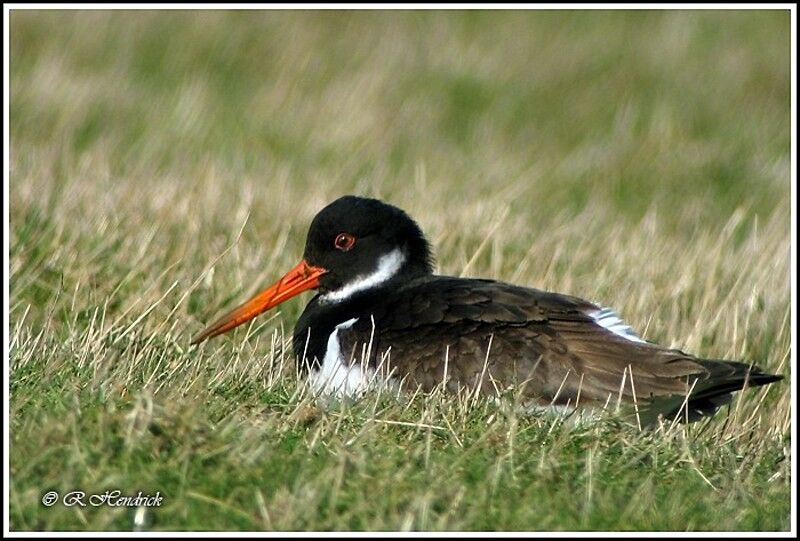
<point>710,392</point>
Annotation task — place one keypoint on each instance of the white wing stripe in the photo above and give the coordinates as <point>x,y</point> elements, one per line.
<point>608,318</point>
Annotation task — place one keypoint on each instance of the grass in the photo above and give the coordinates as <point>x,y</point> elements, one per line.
<point>640,159</point>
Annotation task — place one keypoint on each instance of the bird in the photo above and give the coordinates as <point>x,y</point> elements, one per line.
<point>381,317</point>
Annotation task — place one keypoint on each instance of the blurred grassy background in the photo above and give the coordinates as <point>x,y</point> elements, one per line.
<point>579,108</point>
<point>639,158</point>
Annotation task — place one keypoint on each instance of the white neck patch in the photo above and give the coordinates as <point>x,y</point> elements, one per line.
<point>388,265</point>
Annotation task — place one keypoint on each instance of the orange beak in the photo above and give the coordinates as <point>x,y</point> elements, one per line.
<point>297,280</point>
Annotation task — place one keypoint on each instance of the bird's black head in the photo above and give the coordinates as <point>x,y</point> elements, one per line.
<point>363,243</point>
<point>354,245</point>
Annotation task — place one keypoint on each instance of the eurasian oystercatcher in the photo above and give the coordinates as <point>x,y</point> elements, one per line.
<point>381,315</point>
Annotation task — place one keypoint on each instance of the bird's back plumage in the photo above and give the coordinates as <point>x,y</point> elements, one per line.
<point>495,336</point>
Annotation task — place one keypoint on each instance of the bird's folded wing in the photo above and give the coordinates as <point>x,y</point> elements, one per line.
<point>496,335</point>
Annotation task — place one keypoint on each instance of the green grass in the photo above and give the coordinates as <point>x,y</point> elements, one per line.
<point>640,159</point>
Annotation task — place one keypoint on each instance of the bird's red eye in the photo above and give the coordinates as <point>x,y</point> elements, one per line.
<point>344,241</point>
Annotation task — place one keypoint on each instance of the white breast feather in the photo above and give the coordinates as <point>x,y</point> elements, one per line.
<point>342,377</point>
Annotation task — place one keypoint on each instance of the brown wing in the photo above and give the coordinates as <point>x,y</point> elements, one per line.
<point>500,335</point>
